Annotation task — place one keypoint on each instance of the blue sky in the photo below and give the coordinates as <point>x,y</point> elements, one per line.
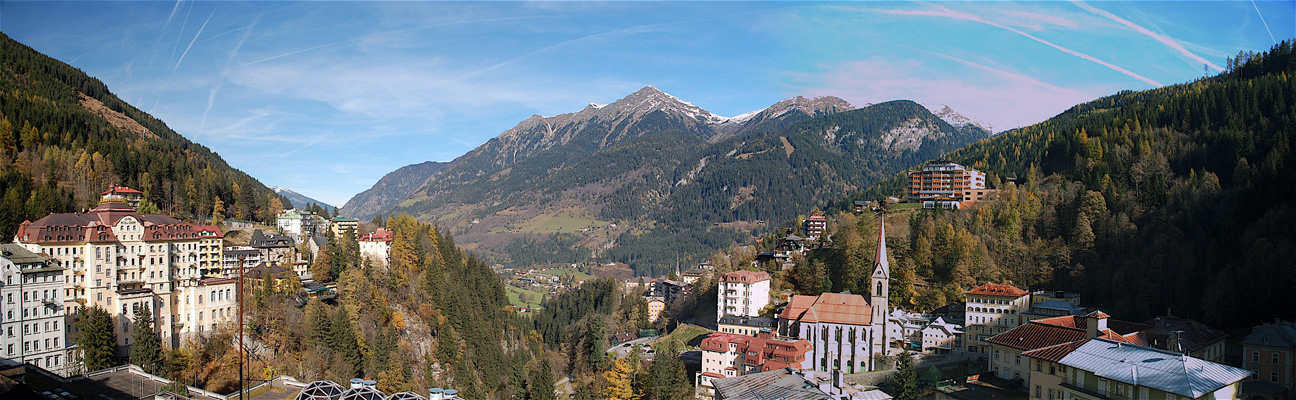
<point>326,97</point>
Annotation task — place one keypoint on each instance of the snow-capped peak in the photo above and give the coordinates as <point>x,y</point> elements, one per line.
<point>954,118</point>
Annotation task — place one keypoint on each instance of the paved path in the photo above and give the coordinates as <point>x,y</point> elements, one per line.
<point>624,349</point>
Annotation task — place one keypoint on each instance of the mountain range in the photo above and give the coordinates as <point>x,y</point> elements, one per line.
<point>652,180</point>
<point>300,200</point>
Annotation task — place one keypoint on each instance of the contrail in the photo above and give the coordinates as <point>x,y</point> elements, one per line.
<point>291,53</point>
<point>1262,20</point>
<point>947,13</point>
<point>191,42</point>
<point>1155,36</point>
<point>183,25</point>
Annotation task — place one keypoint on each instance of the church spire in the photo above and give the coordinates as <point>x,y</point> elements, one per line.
<point>881,266</point>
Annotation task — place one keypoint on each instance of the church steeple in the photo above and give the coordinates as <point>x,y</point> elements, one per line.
<point>880,279</point>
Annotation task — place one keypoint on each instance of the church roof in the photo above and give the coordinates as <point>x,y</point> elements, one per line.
<point>837,308</point>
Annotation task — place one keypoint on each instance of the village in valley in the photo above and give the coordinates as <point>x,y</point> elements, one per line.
<point>1107,216</point>
<point>999,342</point>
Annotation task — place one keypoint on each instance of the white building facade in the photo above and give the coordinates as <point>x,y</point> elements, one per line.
<point>743,294</point>
<point>32,326</point>
<point>117,259</point>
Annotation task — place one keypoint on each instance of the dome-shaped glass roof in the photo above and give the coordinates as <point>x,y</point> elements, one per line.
<point>406,396</point>
<point>363,393</point>
<point>321,390</point>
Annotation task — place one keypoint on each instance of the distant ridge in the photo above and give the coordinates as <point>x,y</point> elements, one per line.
<point>614,182</point>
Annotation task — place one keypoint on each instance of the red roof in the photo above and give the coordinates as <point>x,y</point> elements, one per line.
<point>758,350</point>
<point>378,235</point>
<point>1035,335</point>
<point>121,190</point>
<point>837,308</point>
<point>97,226</point>
<point>1055,352</point>
<point>816,217</point>
<point>745,277</point>
<point>998,289</point>
<point>1046,332</point>
<point>208,229</point>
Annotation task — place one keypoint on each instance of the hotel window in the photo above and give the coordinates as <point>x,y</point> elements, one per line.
<point>1273,376</point>
<point>1274,359</point>
<point>1037,391</point>
<point>1255,355</point>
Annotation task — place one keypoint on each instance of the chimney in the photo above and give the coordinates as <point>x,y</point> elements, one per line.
<point>370,383</point>
<point>1095,324</point>
<point>357,383</point>
<point>451,394</point>
<point>436,394</point>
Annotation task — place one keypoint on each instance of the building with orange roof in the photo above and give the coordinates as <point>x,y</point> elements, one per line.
<point>814,226</point>
<point>1007,358</point>
<point>840,329</point>
<point>119,259</point>
<point>726,355</point>
<point>742,294</point>
<point>124,194</point>
<point>376,245</point>
<point>945,184</point>
<point>992,309</point>
<point>211,242</point>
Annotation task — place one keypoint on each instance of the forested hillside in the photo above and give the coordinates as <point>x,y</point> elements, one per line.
<point>1175,199</point>
<point>64,138</point>
<point>436,317</point>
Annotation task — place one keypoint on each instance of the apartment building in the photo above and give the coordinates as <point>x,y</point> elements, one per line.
<point>32,325</point>
<point>992,309</point>
<point>376,245</point>
<point>743,294</point>
<point>118,259</point>
<point>726,355</point>
<point>1269,353</point>
<point>948,185</point>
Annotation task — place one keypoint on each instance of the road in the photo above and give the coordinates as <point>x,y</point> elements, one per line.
<point>624,349</point>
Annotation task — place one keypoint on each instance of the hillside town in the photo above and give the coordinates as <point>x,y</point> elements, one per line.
<point>1043,344</point>
<point>494,200</point>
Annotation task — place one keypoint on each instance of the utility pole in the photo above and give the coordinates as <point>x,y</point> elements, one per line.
<point>238,285</point>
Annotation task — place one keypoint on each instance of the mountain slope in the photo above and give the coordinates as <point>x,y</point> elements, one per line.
<point>1177,198</point>
<point>649,172</point>
<point>299,200</point>
<point>64,138</point>
<point>391,189</point>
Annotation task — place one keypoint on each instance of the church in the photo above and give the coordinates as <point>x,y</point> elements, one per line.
<point>845,330</point>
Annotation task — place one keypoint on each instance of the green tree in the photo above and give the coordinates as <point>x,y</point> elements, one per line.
<point>540,382</point>
<point>667,378</point>
<point>906,378</point>
<point>98,339</point>
<point>146,345</point>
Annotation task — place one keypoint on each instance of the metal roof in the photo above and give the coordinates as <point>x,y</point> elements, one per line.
<point>777,384</point>
<point>1152,368</point>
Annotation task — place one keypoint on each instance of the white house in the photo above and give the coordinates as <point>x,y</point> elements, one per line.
<point>743,293</point>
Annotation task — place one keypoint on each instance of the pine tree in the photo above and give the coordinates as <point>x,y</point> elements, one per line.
<point>540,385</point>
<point>146,345</point>
<point>667,378</point>
<point>98,338</point>
<point>906,378</point>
